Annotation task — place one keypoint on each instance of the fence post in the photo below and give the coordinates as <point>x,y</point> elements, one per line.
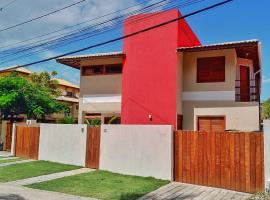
<point>266,133</point>
<point>13,140</point>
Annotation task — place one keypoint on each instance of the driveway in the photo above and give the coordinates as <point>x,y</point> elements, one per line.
<point>180,191</point>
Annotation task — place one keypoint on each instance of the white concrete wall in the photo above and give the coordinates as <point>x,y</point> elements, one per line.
<point>63,143</point>
<point>142,150</point>
<point>266,132</point>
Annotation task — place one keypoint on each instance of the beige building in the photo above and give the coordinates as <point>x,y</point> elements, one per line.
<point>70,96</point>
<point>218,86</point>
<point>100,84</point>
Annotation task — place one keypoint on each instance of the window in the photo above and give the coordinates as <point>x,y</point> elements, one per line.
<point>97,69</point>
<point>113,69</point>
<point>211,69</point>
<point>69,94</point>
<point>102,70</point>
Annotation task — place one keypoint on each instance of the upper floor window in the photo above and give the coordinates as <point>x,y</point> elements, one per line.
<point>69,94</point>
<point>102,69</point>
<point>211,69</point>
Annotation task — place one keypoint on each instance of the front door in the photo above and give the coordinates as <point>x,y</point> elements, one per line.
<point>211,124</point>
<point>244,84</point>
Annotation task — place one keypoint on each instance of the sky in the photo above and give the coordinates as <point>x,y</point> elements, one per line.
<point>239,20</point>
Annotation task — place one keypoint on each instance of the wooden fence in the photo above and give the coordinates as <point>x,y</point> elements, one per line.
<point>230,160</point>
<point>92,147</point>
<point>27,142</point>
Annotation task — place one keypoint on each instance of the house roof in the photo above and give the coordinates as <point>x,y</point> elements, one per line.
<point>21,70</point>
<point>225,45</point>
<point>74,61</point>
<point>66,83</point>
<point>68,99</point>
<point>249,49</point>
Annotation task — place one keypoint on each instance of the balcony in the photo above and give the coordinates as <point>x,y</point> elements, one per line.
<point>247,91</point>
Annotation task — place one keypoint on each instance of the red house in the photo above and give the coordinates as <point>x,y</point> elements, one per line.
<point>165,76</point>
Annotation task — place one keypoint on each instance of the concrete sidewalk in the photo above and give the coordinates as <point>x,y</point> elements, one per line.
<point>15,162</point>
<point>49,177</point>
<point>11,192</point>
<point>5,154</point>
<point>182,191</point>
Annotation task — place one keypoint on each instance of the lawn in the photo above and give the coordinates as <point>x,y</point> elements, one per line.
<point>31,169</point>
<point>102,185</point>
<point>10,160</point>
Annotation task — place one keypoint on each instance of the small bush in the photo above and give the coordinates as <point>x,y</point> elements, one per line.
<point>67,120</point>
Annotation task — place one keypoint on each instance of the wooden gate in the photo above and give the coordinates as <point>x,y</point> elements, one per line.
<point>230,160</point>
<point>27,142</point>
<point>92,147</point>
<point>8,136</point>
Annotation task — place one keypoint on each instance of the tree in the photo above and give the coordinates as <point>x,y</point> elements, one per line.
<point>45,79</point>
<point>20,96</point>
<point>266,109</point>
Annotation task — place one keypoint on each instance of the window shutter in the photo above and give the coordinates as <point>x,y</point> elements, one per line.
<point>211,69</point>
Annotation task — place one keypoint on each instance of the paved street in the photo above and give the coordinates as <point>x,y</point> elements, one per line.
<point>12,192</point>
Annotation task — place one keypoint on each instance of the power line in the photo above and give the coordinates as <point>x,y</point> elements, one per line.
<point>79,37</point>
<point>95,32</point>
<point>69,27</point>
<point>74,32</point>
<point>125,36</point>
<point>6,5</point>
<point>39,17</point>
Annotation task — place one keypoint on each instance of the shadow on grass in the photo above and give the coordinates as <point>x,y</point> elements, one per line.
<point>11,197</point>
<point>130,196</point>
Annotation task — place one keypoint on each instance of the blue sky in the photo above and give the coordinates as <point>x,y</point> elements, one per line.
<point>240,20</point>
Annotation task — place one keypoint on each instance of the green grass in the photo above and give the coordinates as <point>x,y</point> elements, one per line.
<point>103,185</point>
<point>31,169</point>
<point>10,160</point>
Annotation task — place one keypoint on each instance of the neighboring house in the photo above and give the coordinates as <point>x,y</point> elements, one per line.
<point>70,94</point>
<point>165,76</point>
<point>20,72</point>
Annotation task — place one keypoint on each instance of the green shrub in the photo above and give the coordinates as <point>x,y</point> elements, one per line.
<point>93,122</point>
<point>67,120</point>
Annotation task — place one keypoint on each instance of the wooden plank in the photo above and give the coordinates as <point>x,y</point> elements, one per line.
<point>247,162</point>
<point>242,163</point>
<point>237,161</point>
<point>218,159</point>
<point>192,156</point>
<point>178,153</point>
<point>185,158</point>
<point>211,158</point>
<point>259,163</point>
<point>252,162</point>
<point>204,150</point>
<point>223,160</point>
<point>200,157</point>
<point>196,156</point>
<point>232,161</point>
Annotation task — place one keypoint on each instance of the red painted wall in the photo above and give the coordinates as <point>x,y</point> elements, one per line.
<point>149,70</point>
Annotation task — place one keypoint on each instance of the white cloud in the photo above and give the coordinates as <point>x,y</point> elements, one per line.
<point>23,10</point>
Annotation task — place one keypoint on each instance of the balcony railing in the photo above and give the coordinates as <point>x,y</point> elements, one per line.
<point>247,91</point>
